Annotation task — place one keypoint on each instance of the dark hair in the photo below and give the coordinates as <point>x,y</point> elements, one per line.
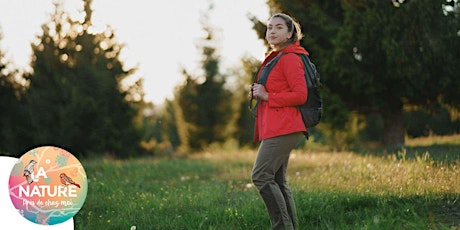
<point>293,26</point>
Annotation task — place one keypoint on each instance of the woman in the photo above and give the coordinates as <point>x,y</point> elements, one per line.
<point>278,123</point>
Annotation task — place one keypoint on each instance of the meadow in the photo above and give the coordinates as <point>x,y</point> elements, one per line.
<point>417,187</point>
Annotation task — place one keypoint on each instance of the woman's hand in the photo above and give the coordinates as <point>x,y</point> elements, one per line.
<point>258,91</point>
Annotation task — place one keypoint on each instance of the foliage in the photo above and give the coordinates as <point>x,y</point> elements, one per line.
<point>422,123</point>
<point>159,128</point>
<point>408,189</point>
<point>377,56</point>
<point>10,109</point>
<point>245,119</point>
<point>76,97</point>
<point>204,102</point>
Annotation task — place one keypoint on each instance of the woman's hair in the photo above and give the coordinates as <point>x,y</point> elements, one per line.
<point>293,26</point>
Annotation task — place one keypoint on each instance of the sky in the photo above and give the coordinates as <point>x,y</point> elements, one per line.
<point>160,37</point>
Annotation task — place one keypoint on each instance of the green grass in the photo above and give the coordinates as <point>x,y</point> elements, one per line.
<point>409,189</point>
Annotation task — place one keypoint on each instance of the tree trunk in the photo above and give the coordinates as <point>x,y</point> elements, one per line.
<point>393,129</point>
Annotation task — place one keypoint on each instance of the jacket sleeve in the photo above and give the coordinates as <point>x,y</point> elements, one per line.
<point>292,68</point>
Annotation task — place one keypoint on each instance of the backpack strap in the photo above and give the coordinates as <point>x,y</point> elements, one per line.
<point>263,77</point>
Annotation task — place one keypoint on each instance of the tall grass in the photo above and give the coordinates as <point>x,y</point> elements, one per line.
<point>408,189</point>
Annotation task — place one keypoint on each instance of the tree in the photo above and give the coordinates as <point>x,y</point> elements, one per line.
<point>245,119</point>
<point>204,102</point>
<point>76,97</point>
<point>10,107</point>
<point>159,129</point>
<point>378,56</point>
<point>400,56</point>
<point>168,125</point>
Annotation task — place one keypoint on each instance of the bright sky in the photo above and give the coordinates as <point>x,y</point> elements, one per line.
<point>159,37</point>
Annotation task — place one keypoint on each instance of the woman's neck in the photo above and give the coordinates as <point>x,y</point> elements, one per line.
<point>276,48</point>
<point>280,46</point>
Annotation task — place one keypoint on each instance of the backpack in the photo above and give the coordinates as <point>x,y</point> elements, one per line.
<point>312,109</point>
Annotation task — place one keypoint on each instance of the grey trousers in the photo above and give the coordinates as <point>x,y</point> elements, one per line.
<point>269,177</point>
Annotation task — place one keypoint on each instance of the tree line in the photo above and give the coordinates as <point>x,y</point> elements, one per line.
<point>388,69</point>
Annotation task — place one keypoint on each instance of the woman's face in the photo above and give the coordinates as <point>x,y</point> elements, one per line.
<point>277,32</point>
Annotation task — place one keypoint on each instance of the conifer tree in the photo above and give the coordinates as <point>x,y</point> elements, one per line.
<point>76,98</point>
<point>379,56</point>
<point>244,131</point>
<point>204,101</point>
<point>10,107</point>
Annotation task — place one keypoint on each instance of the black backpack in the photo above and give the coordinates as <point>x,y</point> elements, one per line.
<point>312,109</point>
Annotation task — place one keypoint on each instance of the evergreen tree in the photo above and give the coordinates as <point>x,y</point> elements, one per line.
<point>10,108</point>
<point>204,102</point>
<point>245,119</point>
<point>401,54</point>
<point>76,97</point>
<point>168,123</point>
<point>378,56</point>
<point>159,129</point>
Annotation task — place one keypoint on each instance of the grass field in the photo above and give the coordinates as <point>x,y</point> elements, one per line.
<point>415,188</point>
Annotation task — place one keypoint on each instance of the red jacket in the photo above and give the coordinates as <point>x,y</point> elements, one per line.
<point>286,88</point>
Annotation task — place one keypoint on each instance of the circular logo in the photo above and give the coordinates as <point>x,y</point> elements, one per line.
<point>48,185</point>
